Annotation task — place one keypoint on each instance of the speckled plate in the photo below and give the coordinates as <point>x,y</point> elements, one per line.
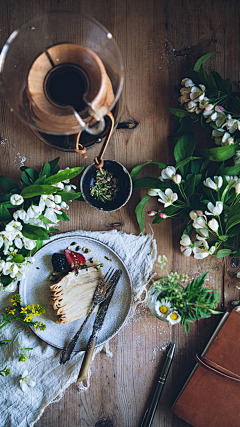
<point>35,290</point>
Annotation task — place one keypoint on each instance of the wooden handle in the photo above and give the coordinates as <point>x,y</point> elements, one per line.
<point>87,358</point>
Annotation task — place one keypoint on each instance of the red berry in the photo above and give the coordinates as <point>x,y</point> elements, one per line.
<point>74,259</point>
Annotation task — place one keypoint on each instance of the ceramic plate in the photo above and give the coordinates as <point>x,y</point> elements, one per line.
<point>35,290</point>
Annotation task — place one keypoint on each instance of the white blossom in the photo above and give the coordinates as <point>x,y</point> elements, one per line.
<point>21,214</point>
<point>187,82</point>
<point>27,381</point>
<point>168,172</point>
<point>199,223</point>
<point>214,185</point>
<point>214,210</point>
<point>16,199</point>
<point>168,198</point>
<point>200,253</point>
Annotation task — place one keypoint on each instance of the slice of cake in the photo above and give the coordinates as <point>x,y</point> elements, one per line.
<point>72,295</point>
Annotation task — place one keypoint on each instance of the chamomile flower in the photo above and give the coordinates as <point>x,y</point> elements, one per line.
<point>173,318</point>
<point>162,308</point>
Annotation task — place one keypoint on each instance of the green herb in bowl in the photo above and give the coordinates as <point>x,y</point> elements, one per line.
<point>105,187</point>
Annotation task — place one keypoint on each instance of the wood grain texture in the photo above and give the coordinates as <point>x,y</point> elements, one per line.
<point>160,40</point>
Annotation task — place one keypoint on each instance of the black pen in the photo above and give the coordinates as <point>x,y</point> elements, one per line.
<point>150,412</point>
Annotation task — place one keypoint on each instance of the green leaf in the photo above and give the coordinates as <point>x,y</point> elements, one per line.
<point>233,220</point>
<point>161,165</point>
<point>38,190</point>
<point>203,75</point>
<point>135,171</point>
<point>178,112</point>
<point>220,154</point>
<point>231,170</point>
<point>46,170</point>
<point>211,81</point>
<point>183,126</point>
<point>235,230</point>
<point>218,79</point>
<point>194,76</point>
<point>8,184</point>
<point>185,161</point>
<point>63,216</point>
<point>34,233</point>
<point>226,86</point>
<point>41,180</point>
<point>4,213</point>
<point>54,166</point>
<point>68,195</point>
<point>32,174</point>
<point>140,212</point>
<point>39,244</point>
<point>63,175</point>
<point>54,230</point>
<point>25,179</point>
<point>18,259</point>
<point>147,182</point>
<point>201,60</point>
<point>235,101</point>
<point>184,149</point>
<point>45,220</point>
<point>190,184</point>
<point>223,252</point>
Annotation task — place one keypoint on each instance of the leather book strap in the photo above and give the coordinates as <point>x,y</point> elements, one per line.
<point>216,369</point>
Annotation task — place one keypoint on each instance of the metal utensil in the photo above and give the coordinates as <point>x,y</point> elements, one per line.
<point>101,292</point>
<point>102,311</point>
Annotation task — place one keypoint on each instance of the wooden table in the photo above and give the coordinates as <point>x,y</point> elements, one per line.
<point>160,40</point>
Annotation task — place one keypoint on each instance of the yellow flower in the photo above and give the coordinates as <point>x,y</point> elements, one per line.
<point>24,310</point>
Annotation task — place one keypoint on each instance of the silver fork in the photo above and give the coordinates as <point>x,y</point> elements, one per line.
<point>101,292</point>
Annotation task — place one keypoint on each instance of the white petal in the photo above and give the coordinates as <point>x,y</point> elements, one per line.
<point>23,386</point>
<point>168,192</point>
<point>31,381</point>
<point>187,252</point>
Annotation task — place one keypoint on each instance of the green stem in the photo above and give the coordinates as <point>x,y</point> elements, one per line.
<point>15,342</point>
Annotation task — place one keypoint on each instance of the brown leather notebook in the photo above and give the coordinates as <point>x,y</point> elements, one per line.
<point>211,395</point>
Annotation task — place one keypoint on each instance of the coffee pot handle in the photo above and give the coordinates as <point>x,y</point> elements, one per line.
<point>99,162</point>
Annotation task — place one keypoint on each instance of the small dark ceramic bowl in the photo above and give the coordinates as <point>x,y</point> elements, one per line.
<point>124,183</point>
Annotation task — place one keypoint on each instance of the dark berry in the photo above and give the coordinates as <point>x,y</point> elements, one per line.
<point>59,262</point>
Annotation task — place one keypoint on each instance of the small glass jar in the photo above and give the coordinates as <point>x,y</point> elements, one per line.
<point>152,297</point>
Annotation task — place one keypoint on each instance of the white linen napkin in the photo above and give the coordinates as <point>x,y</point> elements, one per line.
<point>19,409</point>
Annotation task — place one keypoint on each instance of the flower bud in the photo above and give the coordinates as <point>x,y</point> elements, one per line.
<point>237,188</point>
<point>152,213</point>
<point>153,192</point>
<point>199,213</point>
<point>209,107</point>
<point>219,108</point>
<point>193,215</point>
<point>235,302</point>
<point>230,140</point>
<point>177,178</point>
<point>163,215</point>
<point>213,224</point>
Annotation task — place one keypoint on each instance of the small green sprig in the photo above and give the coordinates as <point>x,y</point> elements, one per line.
<point>25,315</point>
<point>191,302</point>
<point>5,371</point>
